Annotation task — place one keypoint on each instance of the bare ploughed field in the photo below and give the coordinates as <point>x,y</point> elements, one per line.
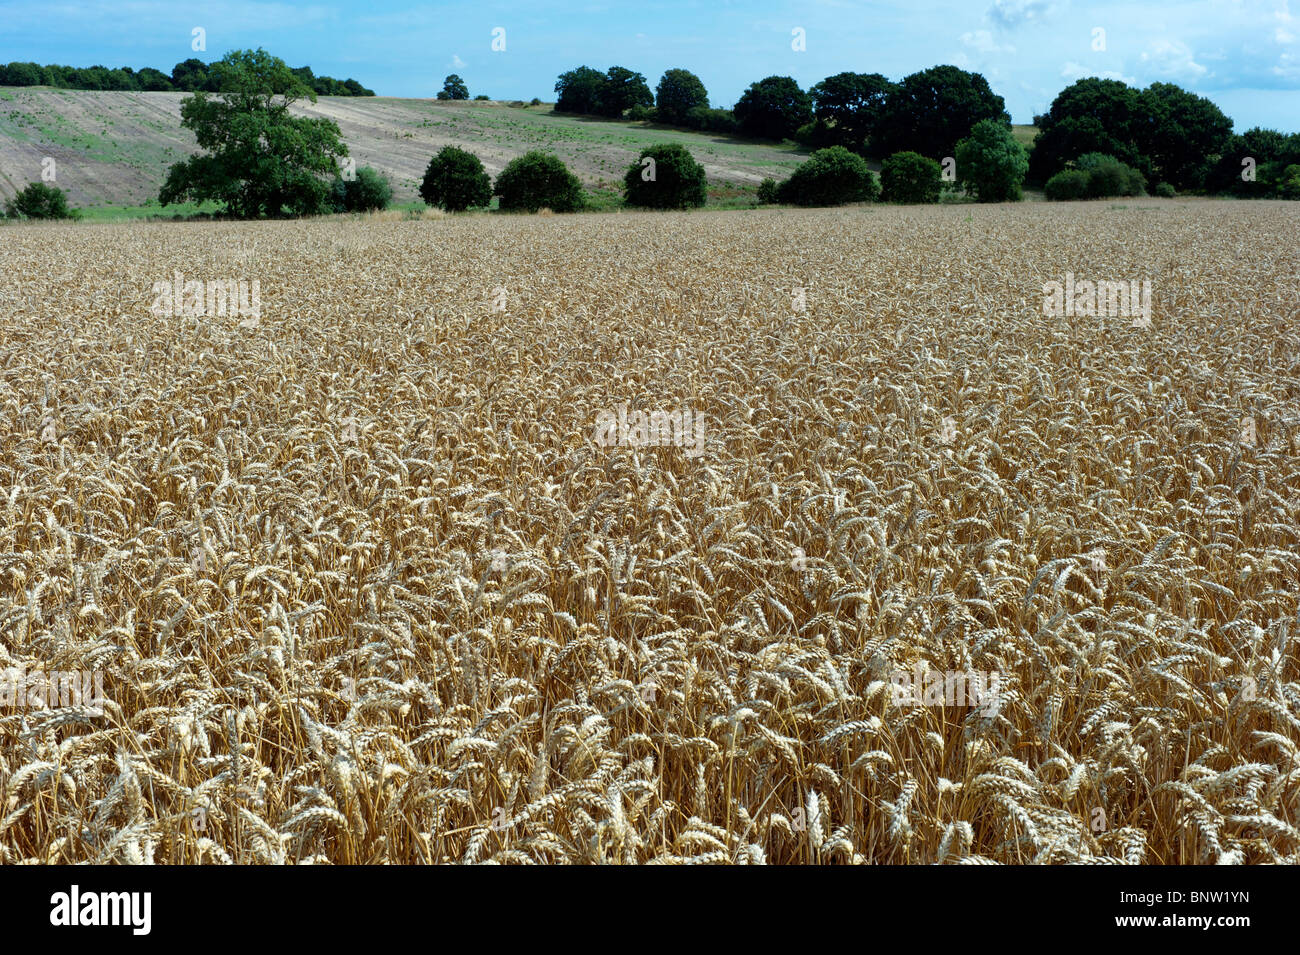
<point>115,148</point>
<point>365,580</point>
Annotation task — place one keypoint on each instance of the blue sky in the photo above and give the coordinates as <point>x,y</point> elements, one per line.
<point>1243,54</point>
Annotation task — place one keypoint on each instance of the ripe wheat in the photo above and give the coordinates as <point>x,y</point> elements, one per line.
<point>363,588</point>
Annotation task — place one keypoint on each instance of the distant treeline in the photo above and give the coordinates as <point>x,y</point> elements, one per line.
<point>189,76</point>
<point>1173,139</point>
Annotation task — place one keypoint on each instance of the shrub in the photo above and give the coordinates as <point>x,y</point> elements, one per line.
<point>455,180</point>
<point>39,201</point>
<point>1066,185</point>
<point>767,190</point>
<point>830,177</point>
<point>538,180</point>
<point>815,135</point>
<point>990,163</point>
<point>369,191</point>
<point>1165,191</point>
<point>712,120</point>
<point>483,96</point>
<point>534,102</point>
<point>678,181</point>
<point>1107,176</point>
<point>641,114</point>
<point>1288,186</point>
<point>910,177</point>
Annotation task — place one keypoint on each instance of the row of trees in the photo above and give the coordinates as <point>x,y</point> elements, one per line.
<point>260,160</point>
<point>1170,136</point>
<point>927,112</point>
<point>611,93</point>
<point>188,76</point>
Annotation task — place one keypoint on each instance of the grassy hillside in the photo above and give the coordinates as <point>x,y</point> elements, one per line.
<point>113,149</point>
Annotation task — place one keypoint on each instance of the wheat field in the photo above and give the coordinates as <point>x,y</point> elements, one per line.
<point>363,585</point>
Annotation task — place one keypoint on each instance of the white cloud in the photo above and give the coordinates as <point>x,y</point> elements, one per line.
<point>982,41</point>
<point>457,62</point>
<point>1073,71</point>
<point>1173,59</point>
<point>1288,66</point>
<point>1013,13</point>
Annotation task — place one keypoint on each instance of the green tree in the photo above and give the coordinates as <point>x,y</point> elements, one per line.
<point>193,75</point>
<point>456,181</point>
<point>990,163</point>
<point>622,89</point>
<point>119,80</point>
<point>928,112</point>
<point>1260,154</point>
<point>1289,182</point>
<point>22,74</point>
<point>453,87</point>
<point>368,191</point>
<point>670,179</point>
<point>578,91</point>
<point>773,108</point>
<point>1183,136</point>
<point>152,80</point>
<point>40,201</point>
<point>1164,131</point>
<point>830,177</point>
<point>679,92</point>
<point>259,159</point>
<point>852,104</point>
<point>1089,115</point>
<point>910,177</point>
<point>538,180</point>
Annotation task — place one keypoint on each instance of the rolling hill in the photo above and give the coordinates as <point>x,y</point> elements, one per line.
<point>113,149</point>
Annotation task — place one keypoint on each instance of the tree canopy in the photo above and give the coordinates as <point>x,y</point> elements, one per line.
<point>1165,132</point>
<point>258,160</point>
<point>188,76</point>
<point>453,87</point>
<point>773,108</point>
<point>679,92</point>
<point>990,163</point>
<point>851,105</point>
<point>930,111</point>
